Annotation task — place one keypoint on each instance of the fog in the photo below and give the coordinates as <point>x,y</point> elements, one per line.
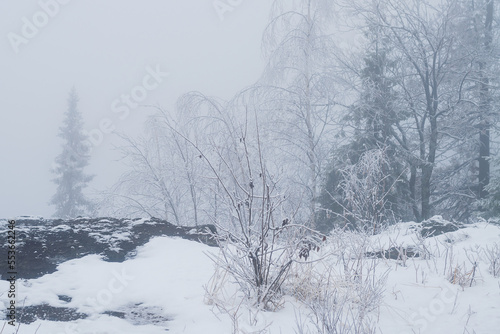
<point>105,49</point>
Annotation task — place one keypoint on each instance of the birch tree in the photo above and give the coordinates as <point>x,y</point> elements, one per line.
<point>297,91</point>
<point>164,178</point>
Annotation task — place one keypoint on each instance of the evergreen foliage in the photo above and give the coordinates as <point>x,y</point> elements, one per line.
<point>70,179</point>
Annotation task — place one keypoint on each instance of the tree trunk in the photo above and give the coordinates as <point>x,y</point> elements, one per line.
<point>484,154</point>
<point>426,192</point>
<point>413,195</point>
<point>485,106</point>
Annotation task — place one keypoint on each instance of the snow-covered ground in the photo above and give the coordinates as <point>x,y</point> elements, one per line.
<point>449,288</point>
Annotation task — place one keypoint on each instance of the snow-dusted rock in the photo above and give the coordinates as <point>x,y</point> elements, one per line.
<point>42,244</point>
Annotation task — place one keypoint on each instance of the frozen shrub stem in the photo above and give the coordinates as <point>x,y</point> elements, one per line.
<point>343,300</point>
<point>493,256</point>
<point>257,247</point>
<point>366,192</point>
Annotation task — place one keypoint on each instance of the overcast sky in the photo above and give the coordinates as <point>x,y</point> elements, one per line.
<point>105,49</point>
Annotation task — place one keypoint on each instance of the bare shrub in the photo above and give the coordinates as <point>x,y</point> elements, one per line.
<point>463,276</point>
<point>256,232</point>
<point>333,314</point>
<point>366,186</point>
<point>341,290</point>
<point>493,256</point>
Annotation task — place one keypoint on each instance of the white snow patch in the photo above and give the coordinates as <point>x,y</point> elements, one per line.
<point>169,274</point>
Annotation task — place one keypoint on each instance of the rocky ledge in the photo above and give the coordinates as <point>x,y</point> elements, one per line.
<point>42,244</point>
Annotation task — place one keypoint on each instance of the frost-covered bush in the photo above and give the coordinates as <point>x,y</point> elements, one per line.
<point>493,256</point>
<point>342,288</point>
<point>334,314</point>
<point>366,186</point>
<point>257,234</point>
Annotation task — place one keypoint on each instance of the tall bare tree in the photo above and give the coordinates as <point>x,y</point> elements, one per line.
<point>429,79</point>
<point>165,174</point>
<point>483,15</point>
<point>297,90</point>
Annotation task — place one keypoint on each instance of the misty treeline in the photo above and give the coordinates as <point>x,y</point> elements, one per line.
<point>367,113</point>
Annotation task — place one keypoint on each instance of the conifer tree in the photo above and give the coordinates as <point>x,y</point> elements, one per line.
<point>70,178</point>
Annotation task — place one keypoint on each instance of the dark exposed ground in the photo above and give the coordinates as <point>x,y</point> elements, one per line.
<point>434,227</point>
<point>136,314</point>
<point>42,244</point>
<point>428,228</point>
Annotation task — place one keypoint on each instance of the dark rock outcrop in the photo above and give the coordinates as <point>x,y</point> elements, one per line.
<point>436,226</point>
<point>42,244</point>
<point>427,229</point>
<point>394,253</point>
